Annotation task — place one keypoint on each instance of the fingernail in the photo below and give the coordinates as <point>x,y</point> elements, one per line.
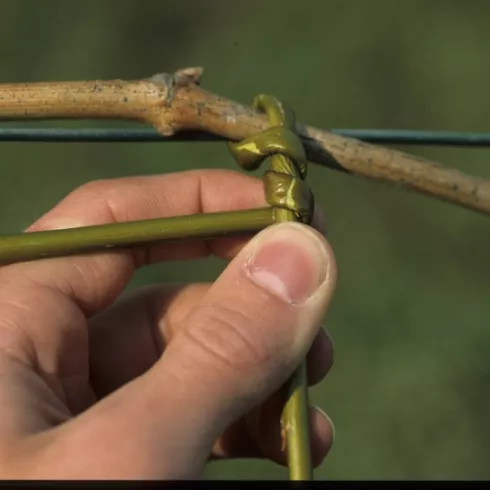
<point>290,261</point>
<point>330,421</point>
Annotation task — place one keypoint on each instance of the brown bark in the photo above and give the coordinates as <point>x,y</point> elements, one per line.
<point>176,102</point>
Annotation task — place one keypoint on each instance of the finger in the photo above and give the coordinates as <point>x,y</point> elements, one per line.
<point>320,357</point>
<point>237,347</point>
<point>238,442</point>
<point>95,280</point>
<point>264,427</point>
<point>44,303</point>
<point>128,338</point>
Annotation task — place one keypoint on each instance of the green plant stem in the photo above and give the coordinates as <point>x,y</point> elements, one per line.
<point>295,420</point>
<point>287,159</point>
<point>36,245</point>
<point>296,424</point>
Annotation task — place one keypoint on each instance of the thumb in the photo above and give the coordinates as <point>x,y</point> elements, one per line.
<point>256,323</point>
<point>236,348</point>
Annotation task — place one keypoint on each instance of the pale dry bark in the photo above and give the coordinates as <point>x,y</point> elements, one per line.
<point>175,102</point>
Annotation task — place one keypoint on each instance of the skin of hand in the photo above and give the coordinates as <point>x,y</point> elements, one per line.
<point>156,383</point>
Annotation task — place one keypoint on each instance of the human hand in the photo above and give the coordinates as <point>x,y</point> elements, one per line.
<point>85,392</point>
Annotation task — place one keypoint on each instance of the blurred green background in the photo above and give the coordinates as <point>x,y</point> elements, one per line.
<point>409,392</point>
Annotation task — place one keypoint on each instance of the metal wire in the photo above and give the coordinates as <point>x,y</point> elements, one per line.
<point>387,136</point>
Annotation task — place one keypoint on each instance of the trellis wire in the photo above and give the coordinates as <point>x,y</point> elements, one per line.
<point>387,136</point>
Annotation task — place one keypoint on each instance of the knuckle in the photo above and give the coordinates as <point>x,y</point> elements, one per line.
<point>96,198</point>
<point>86,205</point>
<point>228,336</point>
<point>98,192</point>
<point>93,187</point>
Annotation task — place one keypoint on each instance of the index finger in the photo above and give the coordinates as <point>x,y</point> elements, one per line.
<point>94,280</point>
<point>134,199</point>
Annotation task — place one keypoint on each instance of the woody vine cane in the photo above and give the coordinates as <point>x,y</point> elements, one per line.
<point>177,107</point>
